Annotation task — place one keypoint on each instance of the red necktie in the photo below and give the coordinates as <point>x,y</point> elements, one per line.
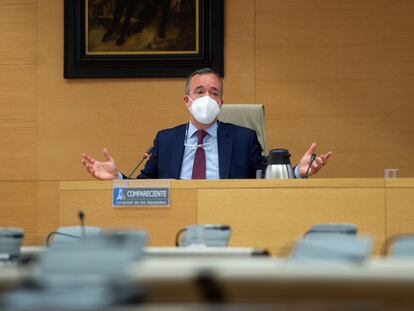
<point>199,166</point>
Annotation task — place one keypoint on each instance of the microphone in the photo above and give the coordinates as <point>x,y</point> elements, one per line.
<point>81,216</point>
<point>146,155</point>
<point>82,222</point>
<point>312,159</point>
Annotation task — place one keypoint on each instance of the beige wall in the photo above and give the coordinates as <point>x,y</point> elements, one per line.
<point>336,72</point>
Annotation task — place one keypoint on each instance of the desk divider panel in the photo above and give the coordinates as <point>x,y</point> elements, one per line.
<point>263,213</point>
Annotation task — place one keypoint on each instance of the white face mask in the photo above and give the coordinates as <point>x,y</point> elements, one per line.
<point>204,109</point>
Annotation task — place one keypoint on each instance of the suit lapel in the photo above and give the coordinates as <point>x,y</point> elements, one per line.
<point>177,151</point>
<point>224,150</point>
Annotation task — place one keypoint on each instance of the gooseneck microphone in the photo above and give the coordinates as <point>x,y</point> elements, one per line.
<point>312,159</point>
<point>81,216</point>
<point>146,155</point>
<point>82,222</point>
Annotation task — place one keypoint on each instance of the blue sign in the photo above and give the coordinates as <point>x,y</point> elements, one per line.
<point>141,196</point>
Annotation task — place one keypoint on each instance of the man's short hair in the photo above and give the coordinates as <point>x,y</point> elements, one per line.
<point>202,71</point>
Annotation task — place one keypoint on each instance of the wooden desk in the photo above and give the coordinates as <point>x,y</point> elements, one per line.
<point>382,281</point>
<point>399,202</point>
<point>269,214</point>
<point>368,285</point>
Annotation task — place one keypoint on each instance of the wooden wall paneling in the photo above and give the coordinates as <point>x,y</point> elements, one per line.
<point>18,107</point>
<point>47,215</point>
<point>18,207</point>
<point>18,116</point>
<point>18,35</point>
<point>336,72</point>
<point>239,52</point>
<point>18,122</point>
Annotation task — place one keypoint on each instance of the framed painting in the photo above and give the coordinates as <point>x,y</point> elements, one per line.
<point>142,38</point>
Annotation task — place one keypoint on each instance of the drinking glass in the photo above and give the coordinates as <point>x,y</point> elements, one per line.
<point>391,173</point>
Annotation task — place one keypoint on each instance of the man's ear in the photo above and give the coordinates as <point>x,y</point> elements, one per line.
<point>187,101</point>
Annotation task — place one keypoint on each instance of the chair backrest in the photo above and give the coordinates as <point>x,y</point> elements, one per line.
<point>68,235</point>
<point>402,246</point>
<point>94,259</point>
<point>333,247</point>
<point>339,228</point>
<point>11,240</point>
<point>247,115</point>
<point>213,235</point>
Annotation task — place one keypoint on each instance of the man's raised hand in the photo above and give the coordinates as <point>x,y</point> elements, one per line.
<point>103,170</point>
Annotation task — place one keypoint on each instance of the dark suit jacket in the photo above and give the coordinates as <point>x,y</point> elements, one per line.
<point>239,153</point>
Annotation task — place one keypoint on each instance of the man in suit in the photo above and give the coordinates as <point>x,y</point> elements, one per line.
<point>203,148</point>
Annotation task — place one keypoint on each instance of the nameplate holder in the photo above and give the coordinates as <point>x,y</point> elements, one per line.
<point>142,193</point>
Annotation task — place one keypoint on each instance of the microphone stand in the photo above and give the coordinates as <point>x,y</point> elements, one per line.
<point>312,159</point>
<point>82,223</point>
<point>146,155</point>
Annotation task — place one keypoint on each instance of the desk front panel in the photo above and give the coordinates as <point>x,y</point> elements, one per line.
<point>274,218</point>
<point>162,224</point>
<point>269,214</point>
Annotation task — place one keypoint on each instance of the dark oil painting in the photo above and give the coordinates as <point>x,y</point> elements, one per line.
<point>142,38</point>
<point>118,27</point>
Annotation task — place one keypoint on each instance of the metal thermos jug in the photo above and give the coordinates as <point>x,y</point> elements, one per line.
<point>278,165</point>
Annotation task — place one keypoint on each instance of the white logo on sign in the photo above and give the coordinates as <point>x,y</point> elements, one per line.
<point>121,195</point>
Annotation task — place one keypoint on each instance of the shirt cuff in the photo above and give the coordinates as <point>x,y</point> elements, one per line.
<point>296,172</point>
